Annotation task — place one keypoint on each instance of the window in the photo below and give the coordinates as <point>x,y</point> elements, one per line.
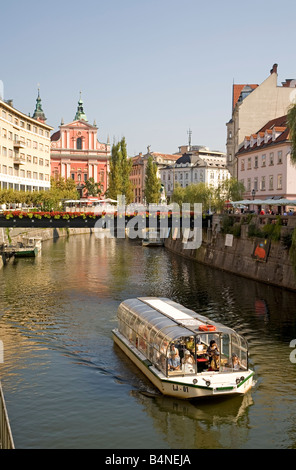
<point>256,162</point>
<point>279,181</point>
<point>249,163</point>
<point>263,183</point>
<point>256,184</point>
<point>263,160</point>
<point>271,182</point>
<point>243,164</point>
<point>271,158</point>
<point>79,143</point>
<point>280,156</point>
<point>249,184</point>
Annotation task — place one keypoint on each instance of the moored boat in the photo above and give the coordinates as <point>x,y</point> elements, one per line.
<point>181,352</point>
<point>153,238</point>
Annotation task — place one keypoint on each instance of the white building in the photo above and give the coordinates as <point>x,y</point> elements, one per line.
<point>24,149</point>
<point>199,165</point>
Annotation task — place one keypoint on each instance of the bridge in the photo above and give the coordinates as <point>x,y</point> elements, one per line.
<point>54,219</point>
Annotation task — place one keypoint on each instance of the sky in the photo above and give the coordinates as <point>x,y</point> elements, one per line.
<point>148,70</point>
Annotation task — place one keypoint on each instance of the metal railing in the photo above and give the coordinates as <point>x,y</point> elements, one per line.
<point>6,439</point>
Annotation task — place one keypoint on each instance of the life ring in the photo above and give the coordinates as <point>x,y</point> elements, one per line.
<point>207,328</point>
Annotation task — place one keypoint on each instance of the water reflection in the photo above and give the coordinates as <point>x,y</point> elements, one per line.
<point>56,316</point>
<point>189,425</point>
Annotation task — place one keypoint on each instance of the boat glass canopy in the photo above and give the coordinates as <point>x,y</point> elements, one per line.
<point>152,325</point>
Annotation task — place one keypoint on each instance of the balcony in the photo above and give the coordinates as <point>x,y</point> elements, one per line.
<point>18,161</point>
<point>17,144</point>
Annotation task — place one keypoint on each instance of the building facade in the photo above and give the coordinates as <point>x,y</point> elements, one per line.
<point>253,106</point>
<point>264,163</point>
<point>76,152</point>
<point>197,165</point>
<point>138,172</point>
<point>24,148</point>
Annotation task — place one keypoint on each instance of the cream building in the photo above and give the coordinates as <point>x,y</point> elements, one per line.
<point>252,106</point>
<point>24,148</point>
<point>198,165</point>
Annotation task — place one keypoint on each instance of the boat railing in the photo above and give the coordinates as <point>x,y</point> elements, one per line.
<point>6,439</point>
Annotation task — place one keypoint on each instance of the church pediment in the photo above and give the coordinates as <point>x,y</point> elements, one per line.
<point>78,124</point>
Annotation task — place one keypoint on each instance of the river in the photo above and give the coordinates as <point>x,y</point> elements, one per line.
<point>67,386</point>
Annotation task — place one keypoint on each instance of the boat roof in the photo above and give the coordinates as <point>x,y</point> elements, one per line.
<point>177,315</point>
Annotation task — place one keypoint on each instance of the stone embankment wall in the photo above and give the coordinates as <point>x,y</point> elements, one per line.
<point>237,259</point>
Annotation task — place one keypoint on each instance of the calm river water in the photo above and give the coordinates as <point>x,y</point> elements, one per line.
<point>67,386</point>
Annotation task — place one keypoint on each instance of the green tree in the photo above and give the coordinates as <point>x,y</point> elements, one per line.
<point>229,190</point>
<point>92,188</point>
<point>152,183</point>
<point>291,120</point>
<point>120,170</point>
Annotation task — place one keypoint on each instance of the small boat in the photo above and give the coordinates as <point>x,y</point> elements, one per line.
<point>153,238</point>
<point>29,247</point>
<point>159,335</point>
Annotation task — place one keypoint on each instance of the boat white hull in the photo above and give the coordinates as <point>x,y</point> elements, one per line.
<point>205,384</point>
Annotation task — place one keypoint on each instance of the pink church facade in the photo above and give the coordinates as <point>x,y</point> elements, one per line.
<point>76,152</point>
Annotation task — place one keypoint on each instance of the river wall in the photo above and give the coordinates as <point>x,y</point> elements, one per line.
<point>237,256</point>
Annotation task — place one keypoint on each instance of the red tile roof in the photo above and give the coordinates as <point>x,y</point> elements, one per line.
<point>237,89</point>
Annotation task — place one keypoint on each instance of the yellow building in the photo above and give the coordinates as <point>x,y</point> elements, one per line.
<point>24,148</point>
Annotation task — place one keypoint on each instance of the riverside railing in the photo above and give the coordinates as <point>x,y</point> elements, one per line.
<point>6,439</point>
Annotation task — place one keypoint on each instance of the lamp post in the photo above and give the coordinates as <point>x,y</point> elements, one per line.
<point>253,193</point>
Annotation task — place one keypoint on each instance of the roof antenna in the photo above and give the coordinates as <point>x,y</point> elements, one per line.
<point>189,138</point>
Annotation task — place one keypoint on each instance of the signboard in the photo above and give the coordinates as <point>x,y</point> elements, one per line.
<point>228,239</point>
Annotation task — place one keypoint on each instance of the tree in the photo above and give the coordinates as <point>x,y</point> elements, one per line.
<point>120,169</point>
<point>229,190</point>
<point>92,188</point>
<point>152,183</point>
<point>291,119</point>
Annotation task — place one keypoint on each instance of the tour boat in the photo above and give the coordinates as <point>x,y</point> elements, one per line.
<point>157,334</point>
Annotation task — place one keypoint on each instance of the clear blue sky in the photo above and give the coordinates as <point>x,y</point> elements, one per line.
<point>148,69</point>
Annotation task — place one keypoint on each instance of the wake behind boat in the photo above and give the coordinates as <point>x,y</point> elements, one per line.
<point>181,352</point>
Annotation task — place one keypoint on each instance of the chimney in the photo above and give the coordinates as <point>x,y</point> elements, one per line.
<point>274,68</point>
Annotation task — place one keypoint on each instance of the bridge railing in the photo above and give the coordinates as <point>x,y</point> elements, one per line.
<point>6,439</point>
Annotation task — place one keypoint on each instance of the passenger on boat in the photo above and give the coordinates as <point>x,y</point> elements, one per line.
<point>188,362</point>
<point>214,355</point>
<point>174,361</point>
<point>188,359</point>
<point>174,349</point>
<point>190,343</point>
<point>236,364</point>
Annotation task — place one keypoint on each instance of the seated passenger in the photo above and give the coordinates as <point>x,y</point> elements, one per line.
<point>214,355</point>
<point>174,361</point>
<point>236,364</point>
<point>174,349</point>
<point>188,359</point>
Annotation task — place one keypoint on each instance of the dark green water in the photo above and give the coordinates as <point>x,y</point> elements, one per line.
<point>67,386</point>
